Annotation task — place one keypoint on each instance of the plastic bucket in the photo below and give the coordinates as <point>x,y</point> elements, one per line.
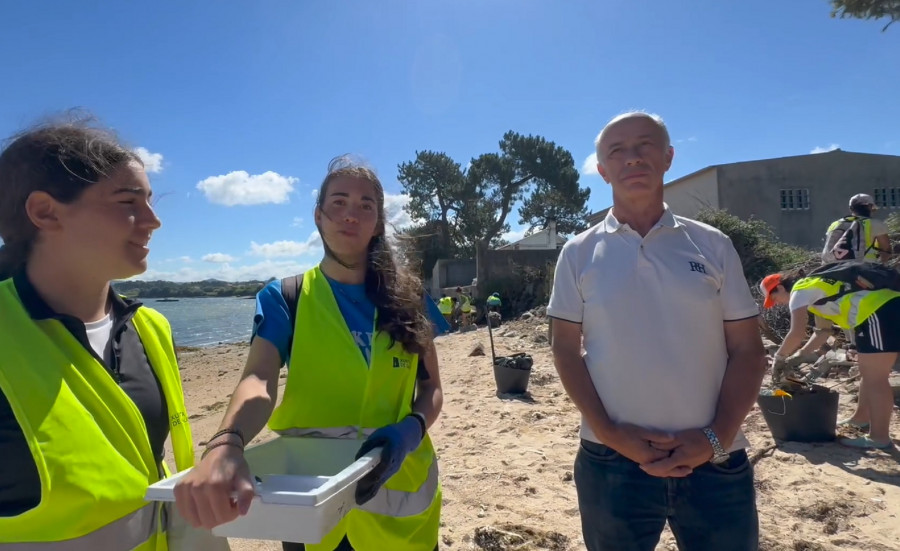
<point>809,416</point>
<point>511,373</point>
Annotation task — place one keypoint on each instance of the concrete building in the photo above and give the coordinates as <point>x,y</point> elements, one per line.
<point>546,238</point>
<point>798,196</point>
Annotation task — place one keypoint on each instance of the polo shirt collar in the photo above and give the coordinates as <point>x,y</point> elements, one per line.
<point>611,224</point>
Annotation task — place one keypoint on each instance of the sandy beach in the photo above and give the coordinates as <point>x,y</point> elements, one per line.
<point>506,462</point>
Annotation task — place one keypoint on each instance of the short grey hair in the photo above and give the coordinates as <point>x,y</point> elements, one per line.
<point>656,119</point>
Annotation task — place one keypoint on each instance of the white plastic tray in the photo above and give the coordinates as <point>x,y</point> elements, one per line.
<point>305,487</point>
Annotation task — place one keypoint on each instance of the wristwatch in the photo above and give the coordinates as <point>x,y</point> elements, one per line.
<point>719,453</point>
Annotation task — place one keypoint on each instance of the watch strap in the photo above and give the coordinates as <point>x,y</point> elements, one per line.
<point>719,453</point>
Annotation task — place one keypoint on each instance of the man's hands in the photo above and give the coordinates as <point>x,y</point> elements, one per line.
<point>639,444</point>
<point>659,453</point>
<point>689,449</point>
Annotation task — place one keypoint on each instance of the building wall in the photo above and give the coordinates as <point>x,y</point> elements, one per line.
<point>537,240</point>
<point>754,189</point>
<point>451,273</point>
<point>503,263</point>
<point>688,196</point>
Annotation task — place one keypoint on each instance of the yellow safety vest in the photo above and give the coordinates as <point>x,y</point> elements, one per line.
<point>465,304</point>
<point>853,308</point>
<point>332,392</point>
<point>871,252</point>
<point>87,437</point>
<point>445,305</point>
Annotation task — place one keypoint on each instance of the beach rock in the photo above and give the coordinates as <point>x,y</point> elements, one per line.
<point>478,350</point>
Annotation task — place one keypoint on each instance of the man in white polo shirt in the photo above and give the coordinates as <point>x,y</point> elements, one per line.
<point>672,362</point>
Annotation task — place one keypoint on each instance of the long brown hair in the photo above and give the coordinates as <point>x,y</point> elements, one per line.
<point>790,277</point>
<point>59,158</point>
<point>397,294</point>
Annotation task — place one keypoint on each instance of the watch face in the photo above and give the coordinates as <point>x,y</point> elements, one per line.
<point>719,459</point>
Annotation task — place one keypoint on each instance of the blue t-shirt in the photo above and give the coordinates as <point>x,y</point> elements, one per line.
<point>273,319</point>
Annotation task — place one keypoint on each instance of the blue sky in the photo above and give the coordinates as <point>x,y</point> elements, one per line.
<point>239,106</point>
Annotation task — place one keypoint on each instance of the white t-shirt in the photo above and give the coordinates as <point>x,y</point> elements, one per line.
<point>804,298</point>
<point>99,333</point>
<point>651,312</point>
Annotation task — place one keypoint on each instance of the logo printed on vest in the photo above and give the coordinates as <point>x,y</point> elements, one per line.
<point>697,267</point>
<point>401,364</point>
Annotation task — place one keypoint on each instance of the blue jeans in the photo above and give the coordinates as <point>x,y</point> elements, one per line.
<point>625,509</point>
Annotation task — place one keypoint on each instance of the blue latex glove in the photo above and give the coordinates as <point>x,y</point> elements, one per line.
<point>396,442</point>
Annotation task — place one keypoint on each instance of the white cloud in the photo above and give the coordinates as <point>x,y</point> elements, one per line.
<point>287,248</point>
<point>314,193</point>
<point>691,139</point>
<point>589,167</point>
<point>241,188</point>
<point>831,147</point>
<point>152,161</point>
<point>395,212</point>
<point>228,272</point>
<point>186,259</point>
<point>218,258</point>
<point>297,222</point>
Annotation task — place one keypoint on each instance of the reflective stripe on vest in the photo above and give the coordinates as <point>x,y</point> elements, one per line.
<point>93,484</point>
<point>854,308</point>
<point>395,503</point>
<point>344,433</point>
<point>333,390</point>
<point>129,532</point>
<point>392,503</point>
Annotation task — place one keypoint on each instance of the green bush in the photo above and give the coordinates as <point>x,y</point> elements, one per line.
<point>760,250</point>
<point>524,289</point>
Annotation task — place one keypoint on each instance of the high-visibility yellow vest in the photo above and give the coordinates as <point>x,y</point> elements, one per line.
<point>465,304</point>
<point>332,392</point>
<point>445,305</point>
<point>853,308</point>
<point>87,437</point>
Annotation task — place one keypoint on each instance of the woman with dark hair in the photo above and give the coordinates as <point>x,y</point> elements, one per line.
<point>89,384</point>
<point>873,316</point>
<point>359,316</point>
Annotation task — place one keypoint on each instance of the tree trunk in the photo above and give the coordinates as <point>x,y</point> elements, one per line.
<point>481,249</point>
<point>446,240</point>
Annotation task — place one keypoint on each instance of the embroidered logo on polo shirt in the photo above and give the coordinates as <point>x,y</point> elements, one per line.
<point>697,267</point>
<point>399,364</point>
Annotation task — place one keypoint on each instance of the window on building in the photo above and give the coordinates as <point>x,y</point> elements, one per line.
<point>887,197</point>
<point>794,199</point>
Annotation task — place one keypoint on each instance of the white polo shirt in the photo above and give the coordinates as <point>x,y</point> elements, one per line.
<point>651,311</point>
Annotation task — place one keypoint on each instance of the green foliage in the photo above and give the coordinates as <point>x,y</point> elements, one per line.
<point>893,224</point>
<point>206,288</point>
<point>760,250</point>
<point>867,9</point>
<point>523,289</point>
<point>466,211</point>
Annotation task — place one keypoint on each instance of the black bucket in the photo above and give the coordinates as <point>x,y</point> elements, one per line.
<point>511,373</point>
<point>809,416</point>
